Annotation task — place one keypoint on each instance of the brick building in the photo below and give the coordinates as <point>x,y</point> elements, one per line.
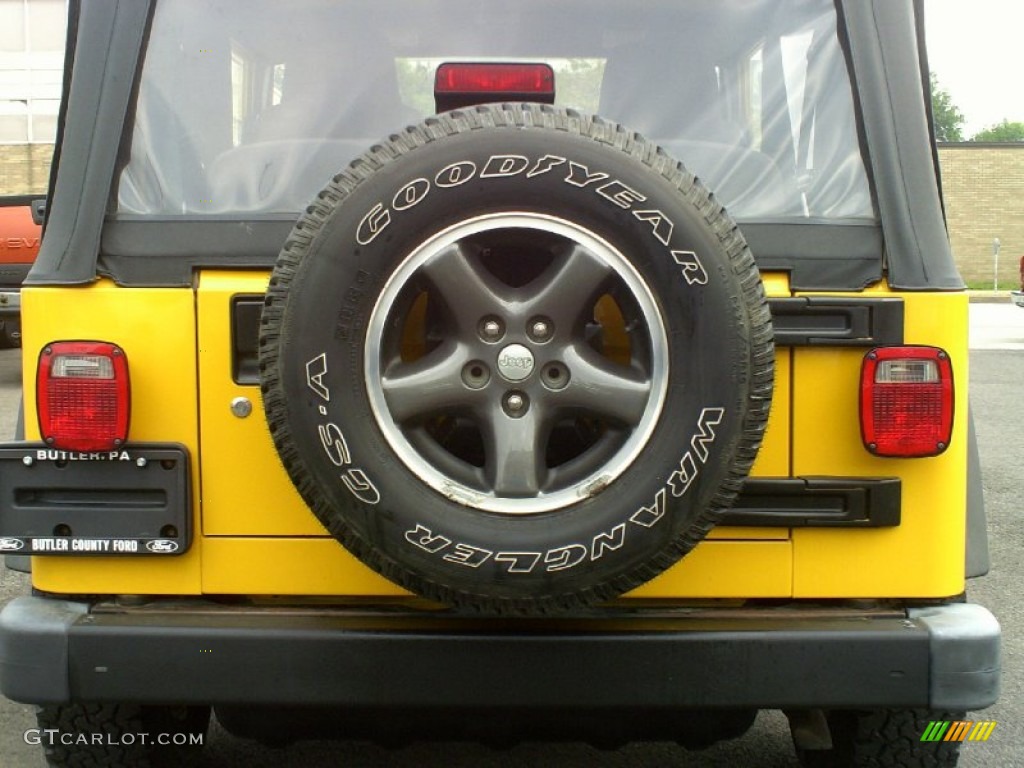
<point>24,168</point>
<point>983,187</point>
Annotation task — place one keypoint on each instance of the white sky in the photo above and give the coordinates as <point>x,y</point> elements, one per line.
<point>976,47</point>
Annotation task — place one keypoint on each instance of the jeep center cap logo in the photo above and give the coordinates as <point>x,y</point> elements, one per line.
<point>515,362</point>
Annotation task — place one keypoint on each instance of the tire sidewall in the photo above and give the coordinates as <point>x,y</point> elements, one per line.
<point>656,509</point>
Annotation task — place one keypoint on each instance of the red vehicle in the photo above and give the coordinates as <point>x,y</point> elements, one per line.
<point>20,232</point>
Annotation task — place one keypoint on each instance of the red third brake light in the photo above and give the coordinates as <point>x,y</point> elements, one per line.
<point>83,395</point>
<point>494,78</point>
<point>462,84</point>
<point>906,401</point>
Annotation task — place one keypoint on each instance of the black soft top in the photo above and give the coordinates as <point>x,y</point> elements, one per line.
<point>884,44</point>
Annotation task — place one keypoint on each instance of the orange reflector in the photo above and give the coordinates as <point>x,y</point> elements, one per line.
<point>83,395</point>
<point>906,401</point>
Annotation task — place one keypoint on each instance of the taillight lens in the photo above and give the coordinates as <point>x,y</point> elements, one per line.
<point>461,84</point>
<point>906,401</point>
<point>83,395</point>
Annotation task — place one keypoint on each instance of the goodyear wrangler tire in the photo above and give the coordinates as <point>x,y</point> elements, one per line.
<point>516,359</point>
<point>880,738</point>
<point>82,735</point>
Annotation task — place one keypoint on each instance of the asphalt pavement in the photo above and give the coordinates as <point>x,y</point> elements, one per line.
<point>997,373</point>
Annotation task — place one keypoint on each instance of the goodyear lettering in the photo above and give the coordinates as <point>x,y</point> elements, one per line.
<point>661,225</point>
<point>580,176</point>
<point>372,224</point>
<point>455,175</point>
<point>410,195</point>
<point>544,165</point>
<point>502,166</point>
<point>620,194</point>
<point>693,271</point>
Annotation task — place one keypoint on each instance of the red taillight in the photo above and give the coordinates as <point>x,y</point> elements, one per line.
<point>906,401</point>
<point>461,84</point>
<point>83,396</point>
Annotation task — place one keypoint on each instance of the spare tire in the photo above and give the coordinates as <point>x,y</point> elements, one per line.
<point>516,359</point>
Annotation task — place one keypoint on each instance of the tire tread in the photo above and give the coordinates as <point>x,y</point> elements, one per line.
<point>884,738</point>
<point>523,117</point>
<point>113,721</point>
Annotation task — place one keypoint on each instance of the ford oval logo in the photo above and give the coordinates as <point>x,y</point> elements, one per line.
<point>11,545</point>
<point>162,546</point>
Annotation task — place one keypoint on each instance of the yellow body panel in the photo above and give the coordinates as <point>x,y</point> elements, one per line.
<point>254,535</point>
<point>318,566</point>
<point>773,458</point>
<point>727,569</point>
<point>246,491</point>
<point>287,566</point>
<point>924,555</point>
<point>156,329</point>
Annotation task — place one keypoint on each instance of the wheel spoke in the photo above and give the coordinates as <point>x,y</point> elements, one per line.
<point>602,387</point>
<point>490,378</point>
<point>567,290</point>
<point>465,287</point>
<point>590,461</point>
<point>514,451</point>
<point>428,385</point>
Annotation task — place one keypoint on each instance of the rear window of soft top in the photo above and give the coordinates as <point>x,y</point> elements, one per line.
<point>246,108</point>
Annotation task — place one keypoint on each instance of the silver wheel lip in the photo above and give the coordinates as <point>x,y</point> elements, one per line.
<point>438,481</point>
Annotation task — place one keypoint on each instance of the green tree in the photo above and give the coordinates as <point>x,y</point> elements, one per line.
<point>949,120</point>
<point>1004,131</point>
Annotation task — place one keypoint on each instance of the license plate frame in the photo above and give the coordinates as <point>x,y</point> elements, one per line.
<point>133,501</point>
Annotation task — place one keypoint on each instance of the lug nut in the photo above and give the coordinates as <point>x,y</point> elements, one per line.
<point>540,329</point>
<point>516,404</point>
<point>491,329</point>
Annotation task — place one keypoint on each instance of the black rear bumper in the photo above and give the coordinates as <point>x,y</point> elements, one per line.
<point>54,651</point>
